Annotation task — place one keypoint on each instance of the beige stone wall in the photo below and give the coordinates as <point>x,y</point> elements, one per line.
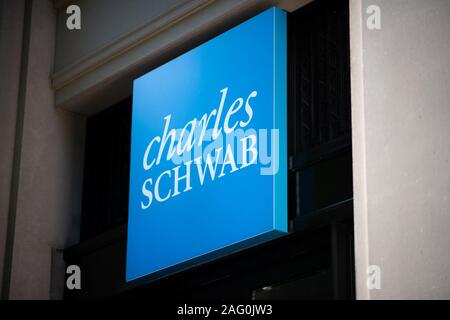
<point>49,174</point>
<point>401,154</point>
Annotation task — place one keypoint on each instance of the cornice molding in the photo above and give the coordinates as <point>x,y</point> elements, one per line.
<point>125,42</point>
<point>105,76</point>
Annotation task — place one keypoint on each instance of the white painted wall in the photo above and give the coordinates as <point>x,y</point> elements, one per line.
<point>401,133</point>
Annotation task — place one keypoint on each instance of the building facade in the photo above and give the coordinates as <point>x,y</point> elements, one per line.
<point>368,155</point>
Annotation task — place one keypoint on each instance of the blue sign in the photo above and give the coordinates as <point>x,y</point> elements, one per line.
<point>208,169</point>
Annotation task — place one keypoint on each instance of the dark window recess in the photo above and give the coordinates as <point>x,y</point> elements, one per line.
<point>106,171</point>
<point>320,158</point>
<point>318,40</point>
<point>319,107</point>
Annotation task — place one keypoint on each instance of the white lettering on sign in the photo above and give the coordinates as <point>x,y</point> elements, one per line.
<point>200,143</point>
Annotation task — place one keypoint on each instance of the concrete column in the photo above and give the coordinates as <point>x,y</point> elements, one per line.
<point>401,153</point>
<point>11,29</point>
<point>49,176</point>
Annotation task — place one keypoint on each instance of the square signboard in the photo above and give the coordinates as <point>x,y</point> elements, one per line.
<point>208,169</point>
